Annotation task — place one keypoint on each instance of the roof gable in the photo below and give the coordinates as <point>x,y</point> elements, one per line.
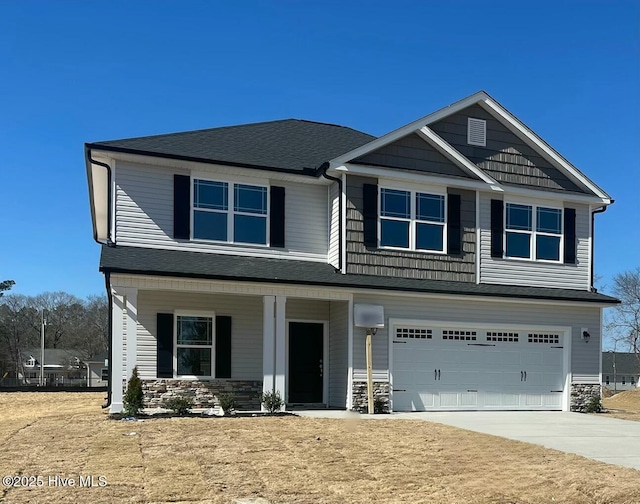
<point>505,157</point>
<point>291,144</point>
<point>412,152</point>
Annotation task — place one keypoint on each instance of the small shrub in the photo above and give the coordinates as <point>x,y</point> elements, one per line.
<point>133,399</point>
<point>271,401</point>
<point>227,403</point>
<point>594,405</point>
<point>180,405</point>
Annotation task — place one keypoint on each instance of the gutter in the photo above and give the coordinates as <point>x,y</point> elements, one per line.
<point>593,241</point>
<point>107,280</point>
<point>323,168</point>
<point>89,161</point>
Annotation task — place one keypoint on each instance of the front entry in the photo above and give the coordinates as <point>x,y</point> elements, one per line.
<point>306,366</point>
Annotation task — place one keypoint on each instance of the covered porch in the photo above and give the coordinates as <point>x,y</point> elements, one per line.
<point>205,338</point>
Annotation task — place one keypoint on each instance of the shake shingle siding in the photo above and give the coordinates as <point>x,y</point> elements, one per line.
<point>393,263</point>
<point>506,157</point>
<point>412,153</point>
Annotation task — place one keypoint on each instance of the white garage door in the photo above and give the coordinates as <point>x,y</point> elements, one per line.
<point>458,368</point>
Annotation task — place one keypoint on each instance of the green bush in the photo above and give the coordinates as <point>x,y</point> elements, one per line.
<point>379,406</point>
<point>180,405</point>
<point>594,405</point>
<point>271,401</point>
<point>226,402</point>
<point>133,398</point>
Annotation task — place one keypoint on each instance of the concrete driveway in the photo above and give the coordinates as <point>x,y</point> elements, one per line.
<point>593,436</point>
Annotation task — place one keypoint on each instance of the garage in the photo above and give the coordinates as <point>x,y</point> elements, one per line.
<point>439,366</point>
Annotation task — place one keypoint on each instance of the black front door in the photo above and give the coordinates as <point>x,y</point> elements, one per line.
<point>305,362</point>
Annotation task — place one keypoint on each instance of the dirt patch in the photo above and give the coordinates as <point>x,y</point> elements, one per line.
<point>624,405</point>
<point>285,460</point>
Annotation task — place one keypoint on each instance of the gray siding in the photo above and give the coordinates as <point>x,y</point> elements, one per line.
<point>338,354</point>
<point>506,157</point>
<point>246,328</point>
<point>334,225</point>
<point>412,153</point>
<point>530,273</point>
<point>585,357</point>
<point>361,260</point>
<point>144,214</point>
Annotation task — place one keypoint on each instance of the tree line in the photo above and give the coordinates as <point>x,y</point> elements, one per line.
<point>71,323</point>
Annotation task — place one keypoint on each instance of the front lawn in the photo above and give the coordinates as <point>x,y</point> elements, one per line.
<point>283,459</point>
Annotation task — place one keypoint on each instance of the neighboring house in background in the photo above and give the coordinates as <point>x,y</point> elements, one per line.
<point>97,371</point>
<point>620,370</point>
<point>234,258</point>
<point>61,367</point>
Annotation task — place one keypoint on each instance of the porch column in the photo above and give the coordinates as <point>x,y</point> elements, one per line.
<point>281,303</point>
<point>116,363</point>
<point>131,301</point>
<point>268,344</point>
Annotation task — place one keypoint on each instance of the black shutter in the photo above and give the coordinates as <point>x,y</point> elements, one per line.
<point>454,228</point>
<point>569,235</point>
<point>497,228</point>
<point>181,206</point>
<point>223,347</point>
<point>276,227</point>
<point>370,214</point>
<point>164,354</point>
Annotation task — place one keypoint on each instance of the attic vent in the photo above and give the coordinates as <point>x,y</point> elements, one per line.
<point>477,132</point>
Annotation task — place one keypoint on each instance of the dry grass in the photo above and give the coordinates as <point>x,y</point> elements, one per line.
<point>625,405</point>
<point>285,460</point>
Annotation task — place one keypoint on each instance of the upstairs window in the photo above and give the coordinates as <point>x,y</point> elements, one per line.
<point>232,213</point>
<point>412,220</point>
<point>533,232</point>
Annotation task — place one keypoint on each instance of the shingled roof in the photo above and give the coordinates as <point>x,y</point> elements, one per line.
<point>291,145</point>
<point>147,261</point>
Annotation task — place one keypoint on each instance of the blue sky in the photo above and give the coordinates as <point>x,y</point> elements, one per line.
<point>75,71</point>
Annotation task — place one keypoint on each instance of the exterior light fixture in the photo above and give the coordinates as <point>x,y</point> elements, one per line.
<point>585,334</point>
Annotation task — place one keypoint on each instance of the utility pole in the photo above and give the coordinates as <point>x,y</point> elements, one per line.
<point>44,323</point>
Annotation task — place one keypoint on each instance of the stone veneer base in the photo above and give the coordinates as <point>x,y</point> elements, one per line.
<point>380,396</point>
<point>204,392</point>
<point>582,393</point>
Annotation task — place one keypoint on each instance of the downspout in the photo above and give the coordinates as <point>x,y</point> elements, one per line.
<point>324,167</point>
<point>107,280</point>
<point>91,161</point>
<point>593,241</point>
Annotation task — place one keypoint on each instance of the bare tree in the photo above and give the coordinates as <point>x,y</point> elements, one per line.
<point>16,328</point>
<point>624,321</point>
<point>63,313</point>
<point>5,286</point>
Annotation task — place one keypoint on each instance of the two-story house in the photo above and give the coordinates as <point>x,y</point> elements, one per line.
<point>234,258</point>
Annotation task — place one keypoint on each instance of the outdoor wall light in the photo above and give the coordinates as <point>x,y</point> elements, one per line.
<point>585,334</point>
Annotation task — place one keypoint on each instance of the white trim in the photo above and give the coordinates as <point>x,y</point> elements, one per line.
<point>453,154</point>
<point>280,381</point>
<point>590,249</point>
<point>535,141</point>
<point>350,355</point>
<point>194,313</point>
<point>325,357</point>
<point>114,199</point>
<point>116,362</point>
<point>131,300</point>
<point>343,225</point>
<point>478,237</point>
<point>268,344</point>
<point>565,331</point>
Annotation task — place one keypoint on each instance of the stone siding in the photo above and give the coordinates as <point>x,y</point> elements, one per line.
<point>380,394</point>
<point>581,394</point>
<point>204,392</point>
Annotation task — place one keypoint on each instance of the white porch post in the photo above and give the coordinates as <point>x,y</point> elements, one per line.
<point>268,344</point>
<point>116,362</point>
<point>281,303</point>
<point>132,329</point>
